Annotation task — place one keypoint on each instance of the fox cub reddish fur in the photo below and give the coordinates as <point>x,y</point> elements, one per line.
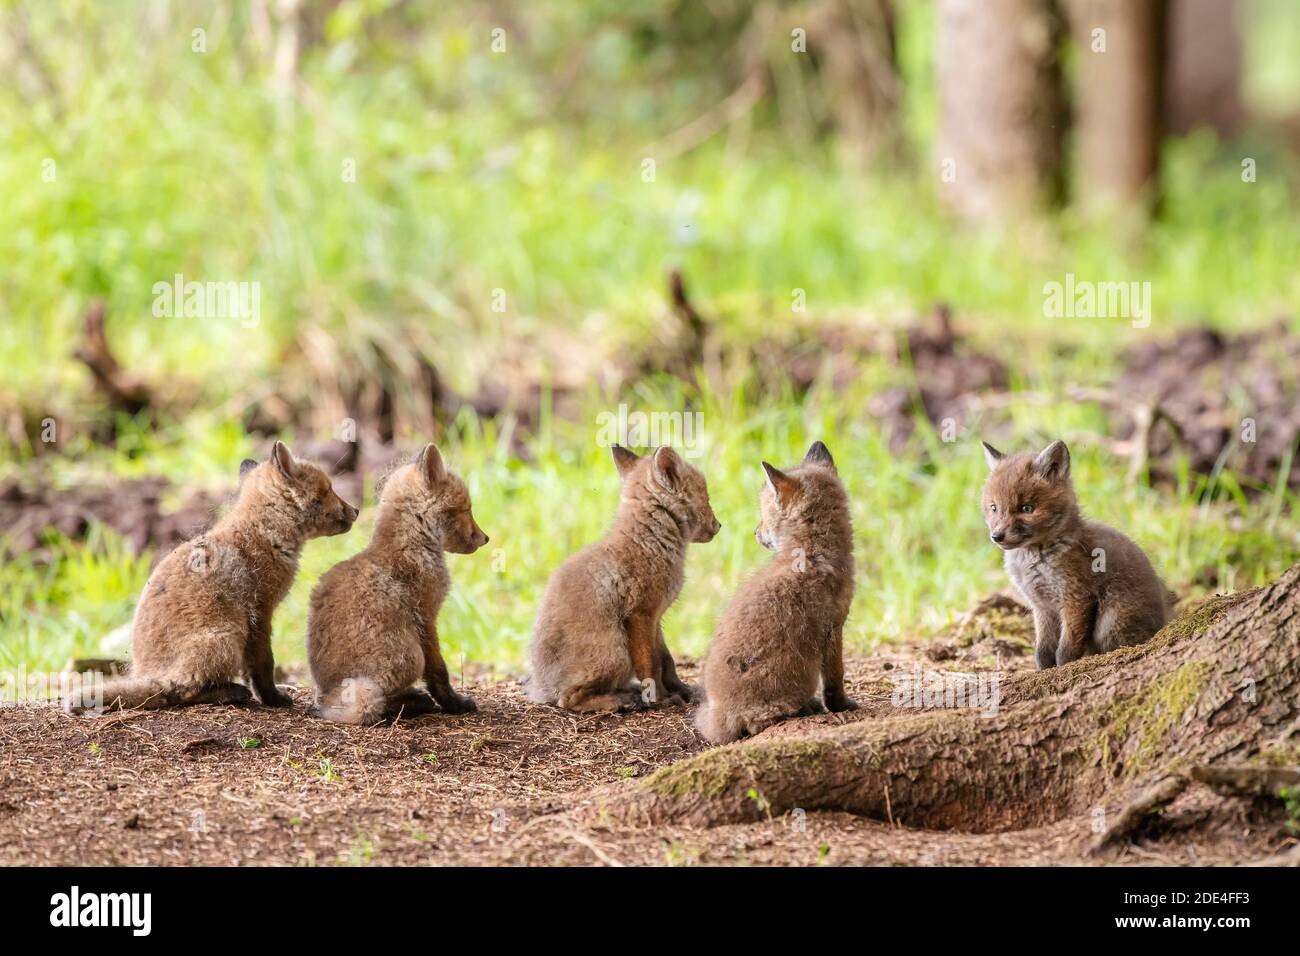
<point>1091,588</point>
<point>598,642</point>
<point>783,633</point>
<point>204,620</point>
<point>372,630</point>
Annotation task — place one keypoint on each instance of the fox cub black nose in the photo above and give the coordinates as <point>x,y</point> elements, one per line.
<point>998,536</point>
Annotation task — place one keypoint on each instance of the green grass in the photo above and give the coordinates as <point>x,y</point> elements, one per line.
<point>921,548</point>
<point>49,613</point>
<point>188,163</point>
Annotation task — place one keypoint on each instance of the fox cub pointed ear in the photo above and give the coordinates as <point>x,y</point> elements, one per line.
<point>431,465</point>
<point>624,460</point>
<point>667,467</point>
<point>1053,461</point>
<point>247,465</point>
<point>783,486</point>
<point>819,454</point>
<point>284,460</point>
<point>991,455</point>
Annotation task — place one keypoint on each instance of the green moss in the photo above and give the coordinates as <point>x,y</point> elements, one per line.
<point>1277,755</point>
<point>1150,715</point>
<point>997,623</point>
<point>1196,617</point>
<point>714,773</point>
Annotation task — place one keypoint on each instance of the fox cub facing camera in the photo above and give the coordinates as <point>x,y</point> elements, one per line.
<point>782,636</point>
<point>598,643</point>
<point>1091,588</point>
<point>204,620</point>
<point>372,629</point>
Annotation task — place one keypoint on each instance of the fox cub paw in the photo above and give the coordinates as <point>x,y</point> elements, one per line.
<point>674,695</point>
<point>276,698</point>
<point>838,703</point>
<point>682,694</point>
<point>629,701</point>
<point>458,704</point>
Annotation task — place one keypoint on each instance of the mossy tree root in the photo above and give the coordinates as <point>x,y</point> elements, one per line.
<point>1222,681</point>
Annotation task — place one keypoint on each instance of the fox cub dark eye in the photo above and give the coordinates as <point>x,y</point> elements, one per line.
<point>1026,508</point>
<point>993,508</point>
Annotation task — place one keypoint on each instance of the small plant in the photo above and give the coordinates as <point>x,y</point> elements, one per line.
<point>418,835</point>
<point>248,743</point>
<point>626,771</point>
<point>679,854</point>
<point>360,853</point>
<point>324,769</point>
<point>1291,803</point>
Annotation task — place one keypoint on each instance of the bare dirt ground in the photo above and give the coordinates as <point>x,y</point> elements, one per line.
<point>516,783</point>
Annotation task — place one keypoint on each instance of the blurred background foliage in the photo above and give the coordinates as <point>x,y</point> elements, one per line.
<point>500,156</point>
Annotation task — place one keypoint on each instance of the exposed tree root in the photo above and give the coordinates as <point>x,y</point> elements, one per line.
<point>1220,682</point>
<point>1247,781</point>
<point>1135,814</point>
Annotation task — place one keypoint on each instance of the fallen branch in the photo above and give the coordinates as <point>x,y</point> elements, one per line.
<point>1136,812</point>
<point>1246,781</point>
<point>124,391</point>
<point>693,348</point>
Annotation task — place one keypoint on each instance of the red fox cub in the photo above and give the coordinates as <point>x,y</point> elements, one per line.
<point>598,644</point>
<point>372,630</point>
<point>204,620</point>
<point>782,636</point>
<point>1091,588</point>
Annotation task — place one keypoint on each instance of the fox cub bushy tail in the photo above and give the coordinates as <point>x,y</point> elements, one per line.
<point>598,642</point>
<point>1091,588</point>
<point>372,629</point>
<point>783,633</point>
<point>204,620</point>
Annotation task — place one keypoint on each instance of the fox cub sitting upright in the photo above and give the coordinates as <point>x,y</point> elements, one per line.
<point>598,644</point>
<point>1091,588</point>
<point>204,620</point>
<point>783,633</point>
<point>372,629</point>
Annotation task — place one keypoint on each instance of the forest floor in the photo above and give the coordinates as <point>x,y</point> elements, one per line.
<point>515,783</point>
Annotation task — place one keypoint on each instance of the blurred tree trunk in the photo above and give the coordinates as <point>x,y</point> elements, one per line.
<point>1118,119</point>
<point>1002,106</point>
<point>856,46</point>
<point>1203,69</point>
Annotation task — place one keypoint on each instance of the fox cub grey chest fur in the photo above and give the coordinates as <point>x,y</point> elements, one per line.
<point>782,636</point>
<point>1090,587</point>
<point>204,620</point>
<point>598,642</point>
<point>372,629</point>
